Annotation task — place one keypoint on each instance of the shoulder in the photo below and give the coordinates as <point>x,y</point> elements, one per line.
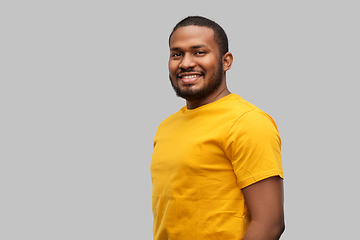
<point>251,124</point>
<point>256,118</point>
<point>237,105</point>
<point>247,114</point>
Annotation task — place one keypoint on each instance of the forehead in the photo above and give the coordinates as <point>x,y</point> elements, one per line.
<point>192,36</point>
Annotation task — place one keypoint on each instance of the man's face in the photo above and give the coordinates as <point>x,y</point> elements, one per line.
<point>195,65</point>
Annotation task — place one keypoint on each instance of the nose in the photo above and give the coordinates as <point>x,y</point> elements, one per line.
<point>187,62</point>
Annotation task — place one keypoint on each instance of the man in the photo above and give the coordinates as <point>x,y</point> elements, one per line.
<point>216,166</point>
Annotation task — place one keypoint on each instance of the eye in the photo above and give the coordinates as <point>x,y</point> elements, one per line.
<point>176,55</point>
<point>200,53</point>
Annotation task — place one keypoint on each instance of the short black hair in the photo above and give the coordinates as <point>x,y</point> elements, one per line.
<point>219,33</point>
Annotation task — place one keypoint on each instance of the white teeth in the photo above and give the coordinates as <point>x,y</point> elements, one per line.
<point>190,76</point>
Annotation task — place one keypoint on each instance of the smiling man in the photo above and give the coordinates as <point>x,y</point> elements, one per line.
<point>216,166</point>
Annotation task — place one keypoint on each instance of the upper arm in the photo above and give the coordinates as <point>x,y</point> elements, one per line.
<point>265,201</point>
<point>254,148</point>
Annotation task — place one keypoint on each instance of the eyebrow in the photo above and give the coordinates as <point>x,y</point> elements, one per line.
<point>193,47</point>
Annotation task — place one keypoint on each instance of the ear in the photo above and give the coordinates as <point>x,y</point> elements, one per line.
<point>227,61</point>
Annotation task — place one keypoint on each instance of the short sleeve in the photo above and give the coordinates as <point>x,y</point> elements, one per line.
<point>253,146</point>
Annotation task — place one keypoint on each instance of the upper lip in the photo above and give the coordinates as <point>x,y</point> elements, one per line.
<point>188,74</point>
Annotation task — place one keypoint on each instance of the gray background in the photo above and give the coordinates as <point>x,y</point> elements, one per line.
<point>84,85</point>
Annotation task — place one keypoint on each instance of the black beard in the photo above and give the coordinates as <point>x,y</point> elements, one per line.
<point>199,94</point>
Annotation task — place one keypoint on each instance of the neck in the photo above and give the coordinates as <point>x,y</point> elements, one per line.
<point>218,94</point>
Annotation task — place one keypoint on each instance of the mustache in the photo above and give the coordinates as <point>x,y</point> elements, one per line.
<point>190,70</point>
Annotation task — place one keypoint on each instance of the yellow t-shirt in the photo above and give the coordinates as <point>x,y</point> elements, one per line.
<point>202,159</point>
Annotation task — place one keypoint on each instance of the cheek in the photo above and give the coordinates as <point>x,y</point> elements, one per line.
<point>209,64</point>
<point>172,67</point>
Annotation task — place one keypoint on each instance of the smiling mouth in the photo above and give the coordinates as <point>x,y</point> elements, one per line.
<point>190,79</point>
